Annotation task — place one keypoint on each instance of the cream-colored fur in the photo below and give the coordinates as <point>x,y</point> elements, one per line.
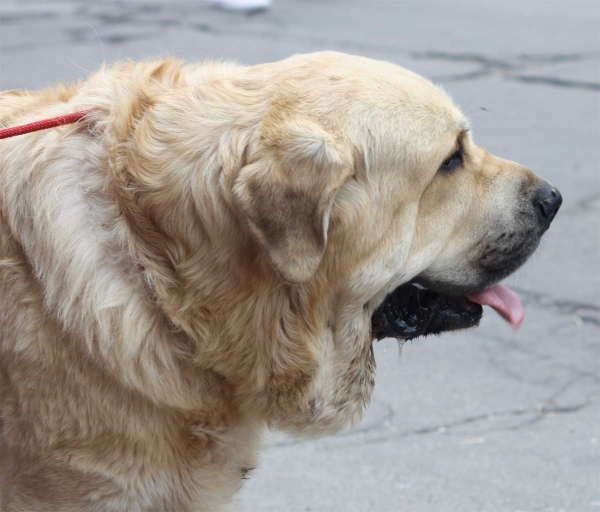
<point>199,260</point>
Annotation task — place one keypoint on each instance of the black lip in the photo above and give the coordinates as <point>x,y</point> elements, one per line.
<point>411,311</point>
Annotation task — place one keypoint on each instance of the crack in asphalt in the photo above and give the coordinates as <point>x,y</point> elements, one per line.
<point>522,59</point>
<point>557,82</point>
<point>462,57</point>
<point>460,77</point>
<point>540,413</point>
<point>557,58</point>
<point>16,17</point>
<point>510,70</point>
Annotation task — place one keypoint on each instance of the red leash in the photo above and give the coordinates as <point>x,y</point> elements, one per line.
<point>44,124</point>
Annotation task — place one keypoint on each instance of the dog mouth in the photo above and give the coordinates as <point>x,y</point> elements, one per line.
<point>411,311</point>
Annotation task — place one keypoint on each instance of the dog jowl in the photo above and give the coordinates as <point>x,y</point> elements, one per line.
<point>411,310</point>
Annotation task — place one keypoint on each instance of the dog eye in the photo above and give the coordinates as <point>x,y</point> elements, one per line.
<point>452,162</point>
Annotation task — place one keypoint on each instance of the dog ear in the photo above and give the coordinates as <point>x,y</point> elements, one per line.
<point>286,194</point>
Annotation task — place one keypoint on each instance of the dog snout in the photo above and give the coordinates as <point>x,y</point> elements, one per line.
<point>547,201</point>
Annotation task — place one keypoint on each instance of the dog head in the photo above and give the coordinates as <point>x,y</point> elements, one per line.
<point>366,177</point>
<point>296,196</point>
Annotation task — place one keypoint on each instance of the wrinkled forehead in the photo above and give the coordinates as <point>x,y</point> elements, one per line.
<point>384,97</point>
<point>407,116</point>
<point>370,99</point>
<point>417,103</point>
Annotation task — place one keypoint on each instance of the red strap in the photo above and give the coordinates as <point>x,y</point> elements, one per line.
<point>44,124</point>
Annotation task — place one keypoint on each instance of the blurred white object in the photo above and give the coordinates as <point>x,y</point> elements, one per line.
<point>242,5</point>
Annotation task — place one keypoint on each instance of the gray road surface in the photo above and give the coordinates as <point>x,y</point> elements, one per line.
<point>488,420</point>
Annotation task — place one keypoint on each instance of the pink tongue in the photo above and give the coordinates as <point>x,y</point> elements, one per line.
<point>504,301</point>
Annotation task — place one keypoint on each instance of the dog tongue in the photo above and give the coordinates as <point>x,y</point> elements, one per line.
<point>504,301</point>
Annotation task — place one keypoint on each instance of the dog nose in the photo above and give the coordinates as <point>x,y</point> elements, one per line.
<point>547,202</point>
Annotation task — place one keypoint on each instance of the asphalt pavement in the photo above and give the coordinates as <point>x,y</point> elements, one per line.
<point>486,420</point>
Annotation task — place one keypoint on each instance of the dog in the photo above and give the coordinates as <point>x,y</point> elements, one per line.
<point>211,252</point>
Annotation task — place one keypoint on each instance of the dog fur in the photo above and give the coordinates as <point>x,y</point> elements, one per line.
<point>198,261</point>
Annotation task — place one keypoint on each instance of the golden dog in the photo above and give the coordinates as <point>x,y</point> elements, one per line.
<point>201,258</point>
